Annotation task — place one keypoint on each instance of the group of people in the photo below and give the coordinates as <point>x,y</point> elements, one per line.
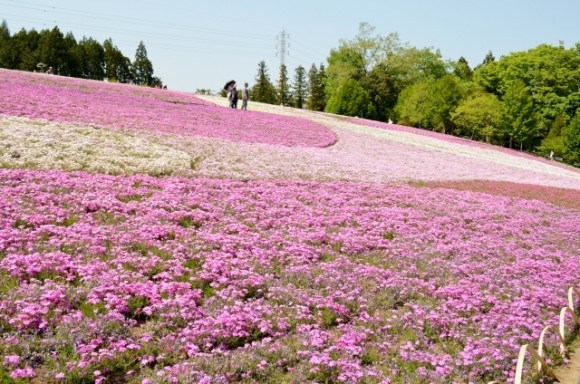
<point>233,96</point>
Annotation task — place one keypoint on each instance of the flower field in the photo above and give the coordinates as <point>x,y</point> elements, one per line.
<point>90,102</point>
<point>136,251</point>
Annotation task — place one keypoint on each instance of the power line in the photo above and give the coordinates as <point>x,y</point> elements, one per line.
<point>282,47</point>
<point>129,20</point>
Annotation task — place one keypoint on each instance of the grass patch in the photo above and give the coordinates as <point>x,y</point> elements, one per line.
<point>128,198</point>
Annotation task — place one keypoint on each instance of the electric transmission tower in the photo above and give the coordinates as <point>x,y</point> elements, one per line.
<point>283,46</point>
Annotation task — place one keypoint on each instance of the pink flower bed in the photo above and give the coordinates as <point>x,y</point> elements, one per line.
<point>137,108</point>
<point>563,197</point>
<point>454,139</point>
<point>143,279</point>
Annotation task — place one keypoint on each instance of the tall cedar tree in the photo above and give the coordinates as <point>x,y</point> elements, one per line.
<point>117,66</point>
<point>92,59</point>
<point>85,59</point>
<point>142,67</point>
<point>263,91</point>
<point>317,97</point>
<point>283,88</point>
<point>300,87</point>
<point>5,46</point>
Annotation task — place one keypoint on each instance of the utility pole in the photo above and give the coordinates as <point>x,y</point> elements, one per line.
<point>283,46</point>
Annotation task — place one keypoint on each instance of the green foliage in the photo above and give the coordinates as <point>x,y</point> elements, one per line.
<point>8,283</point>
<point>383,86</point>
<point>22,224</point>
<point>429,103</point>
<point>551,74</point>
<point>263,90</point>
<point>86,58</point>
<point>91,310</point>
<point>5,46</point>
<point>388,236</point>
<point>188,221</point>
<point>300,87</point>
<point>478,117</point>
<point>461,69</point>
<point>520,119</point>
<point>129,198</point>
<point>69,221</point>
<point>117,66</point>
<point>90,57</point>
<point>317,80</point>
<point>135,304</point>
<point>5,377</point>
<point>283,87</point>
<point>351,100</point>
<point>554,141</point>
<point>142,67</point>
<point>572,139</point>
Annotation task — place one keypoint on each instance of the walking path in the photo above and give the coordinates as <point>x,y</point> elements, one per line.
<point>570,373</point>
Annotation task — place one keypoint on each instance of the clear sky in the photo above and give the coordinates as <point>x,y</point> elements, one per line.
<point>202,44</point>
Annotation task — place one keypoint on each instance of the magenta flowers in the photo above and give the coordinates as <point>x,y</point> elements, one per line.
<point>143,109</point>
<point>314,281</point>
<point>122,273</point>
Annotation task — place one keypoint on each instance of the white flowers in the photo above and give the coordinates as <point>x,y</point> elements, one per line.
<point>41,144</point>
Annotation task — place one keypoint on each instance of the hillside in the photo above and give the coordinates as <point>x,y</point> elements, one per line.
<point>151,236</point>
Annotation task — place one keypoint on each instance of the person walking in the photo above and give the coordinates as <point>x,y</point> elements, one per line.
<point>234,100</point>
<point>245,97</point>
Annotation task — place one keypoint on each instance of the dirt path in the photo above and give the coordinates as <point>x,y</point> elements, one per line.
<point>570,374</point>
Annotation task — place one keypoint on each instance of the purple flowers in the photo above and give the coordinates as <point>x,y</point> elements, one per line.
<point>323,280</point>
<point>134,108</point>
<point>136,278</point>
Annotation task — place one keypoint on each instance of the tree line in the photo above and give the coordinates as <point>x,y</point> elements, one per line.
<point>87,58</point>
<point>525,100</point>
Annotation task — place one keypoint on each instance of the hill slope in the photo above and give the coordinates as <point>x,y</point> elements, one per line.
<point>145,252</point>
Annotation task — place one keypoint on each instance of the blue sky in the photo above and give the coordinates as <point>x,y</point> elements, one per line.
<point>195,44</point>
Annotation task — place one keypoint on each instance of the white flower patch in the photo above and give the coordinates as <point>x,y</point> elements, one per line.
<point>370,154</point>
<point>41,144</point>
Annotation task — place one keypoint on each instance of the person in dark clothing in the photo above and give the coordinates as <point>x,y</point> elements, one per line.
<point>234,95</point>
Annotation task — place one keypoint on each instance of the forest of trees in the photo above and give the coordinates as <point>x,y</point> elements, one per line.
<point>526,100</point>
<point>86,58</point>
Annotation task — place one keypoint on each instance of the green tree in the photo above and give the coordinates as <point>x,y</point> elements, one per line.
<point>300,87</point>
<point>551,75</point>
<point>351,100</point>
<point>25,50</point>
<point>316,95</point>
<point>461,69</point>
<point>554,141</point>
<point>489,58</point>
<point>263,89</point>
<point>411,108</point>
<point>353,59</point>
<point>478,117</point>
<point>69,62</point>
<point>117,66</point>
<point>142,67</point>
<point>52,49</point>
<point>572,139</point>
<point>520,123</point>
<point>383,88</point>
<point>5,46</point>
<point>429,103</point>
<point>90,56</point>
<point>283,87</point>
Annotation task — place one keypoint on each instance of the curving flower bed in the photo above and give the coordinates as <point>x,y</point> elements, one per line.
<point>455,139</point>
<point>159,280</point>
<point>142,109</point>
